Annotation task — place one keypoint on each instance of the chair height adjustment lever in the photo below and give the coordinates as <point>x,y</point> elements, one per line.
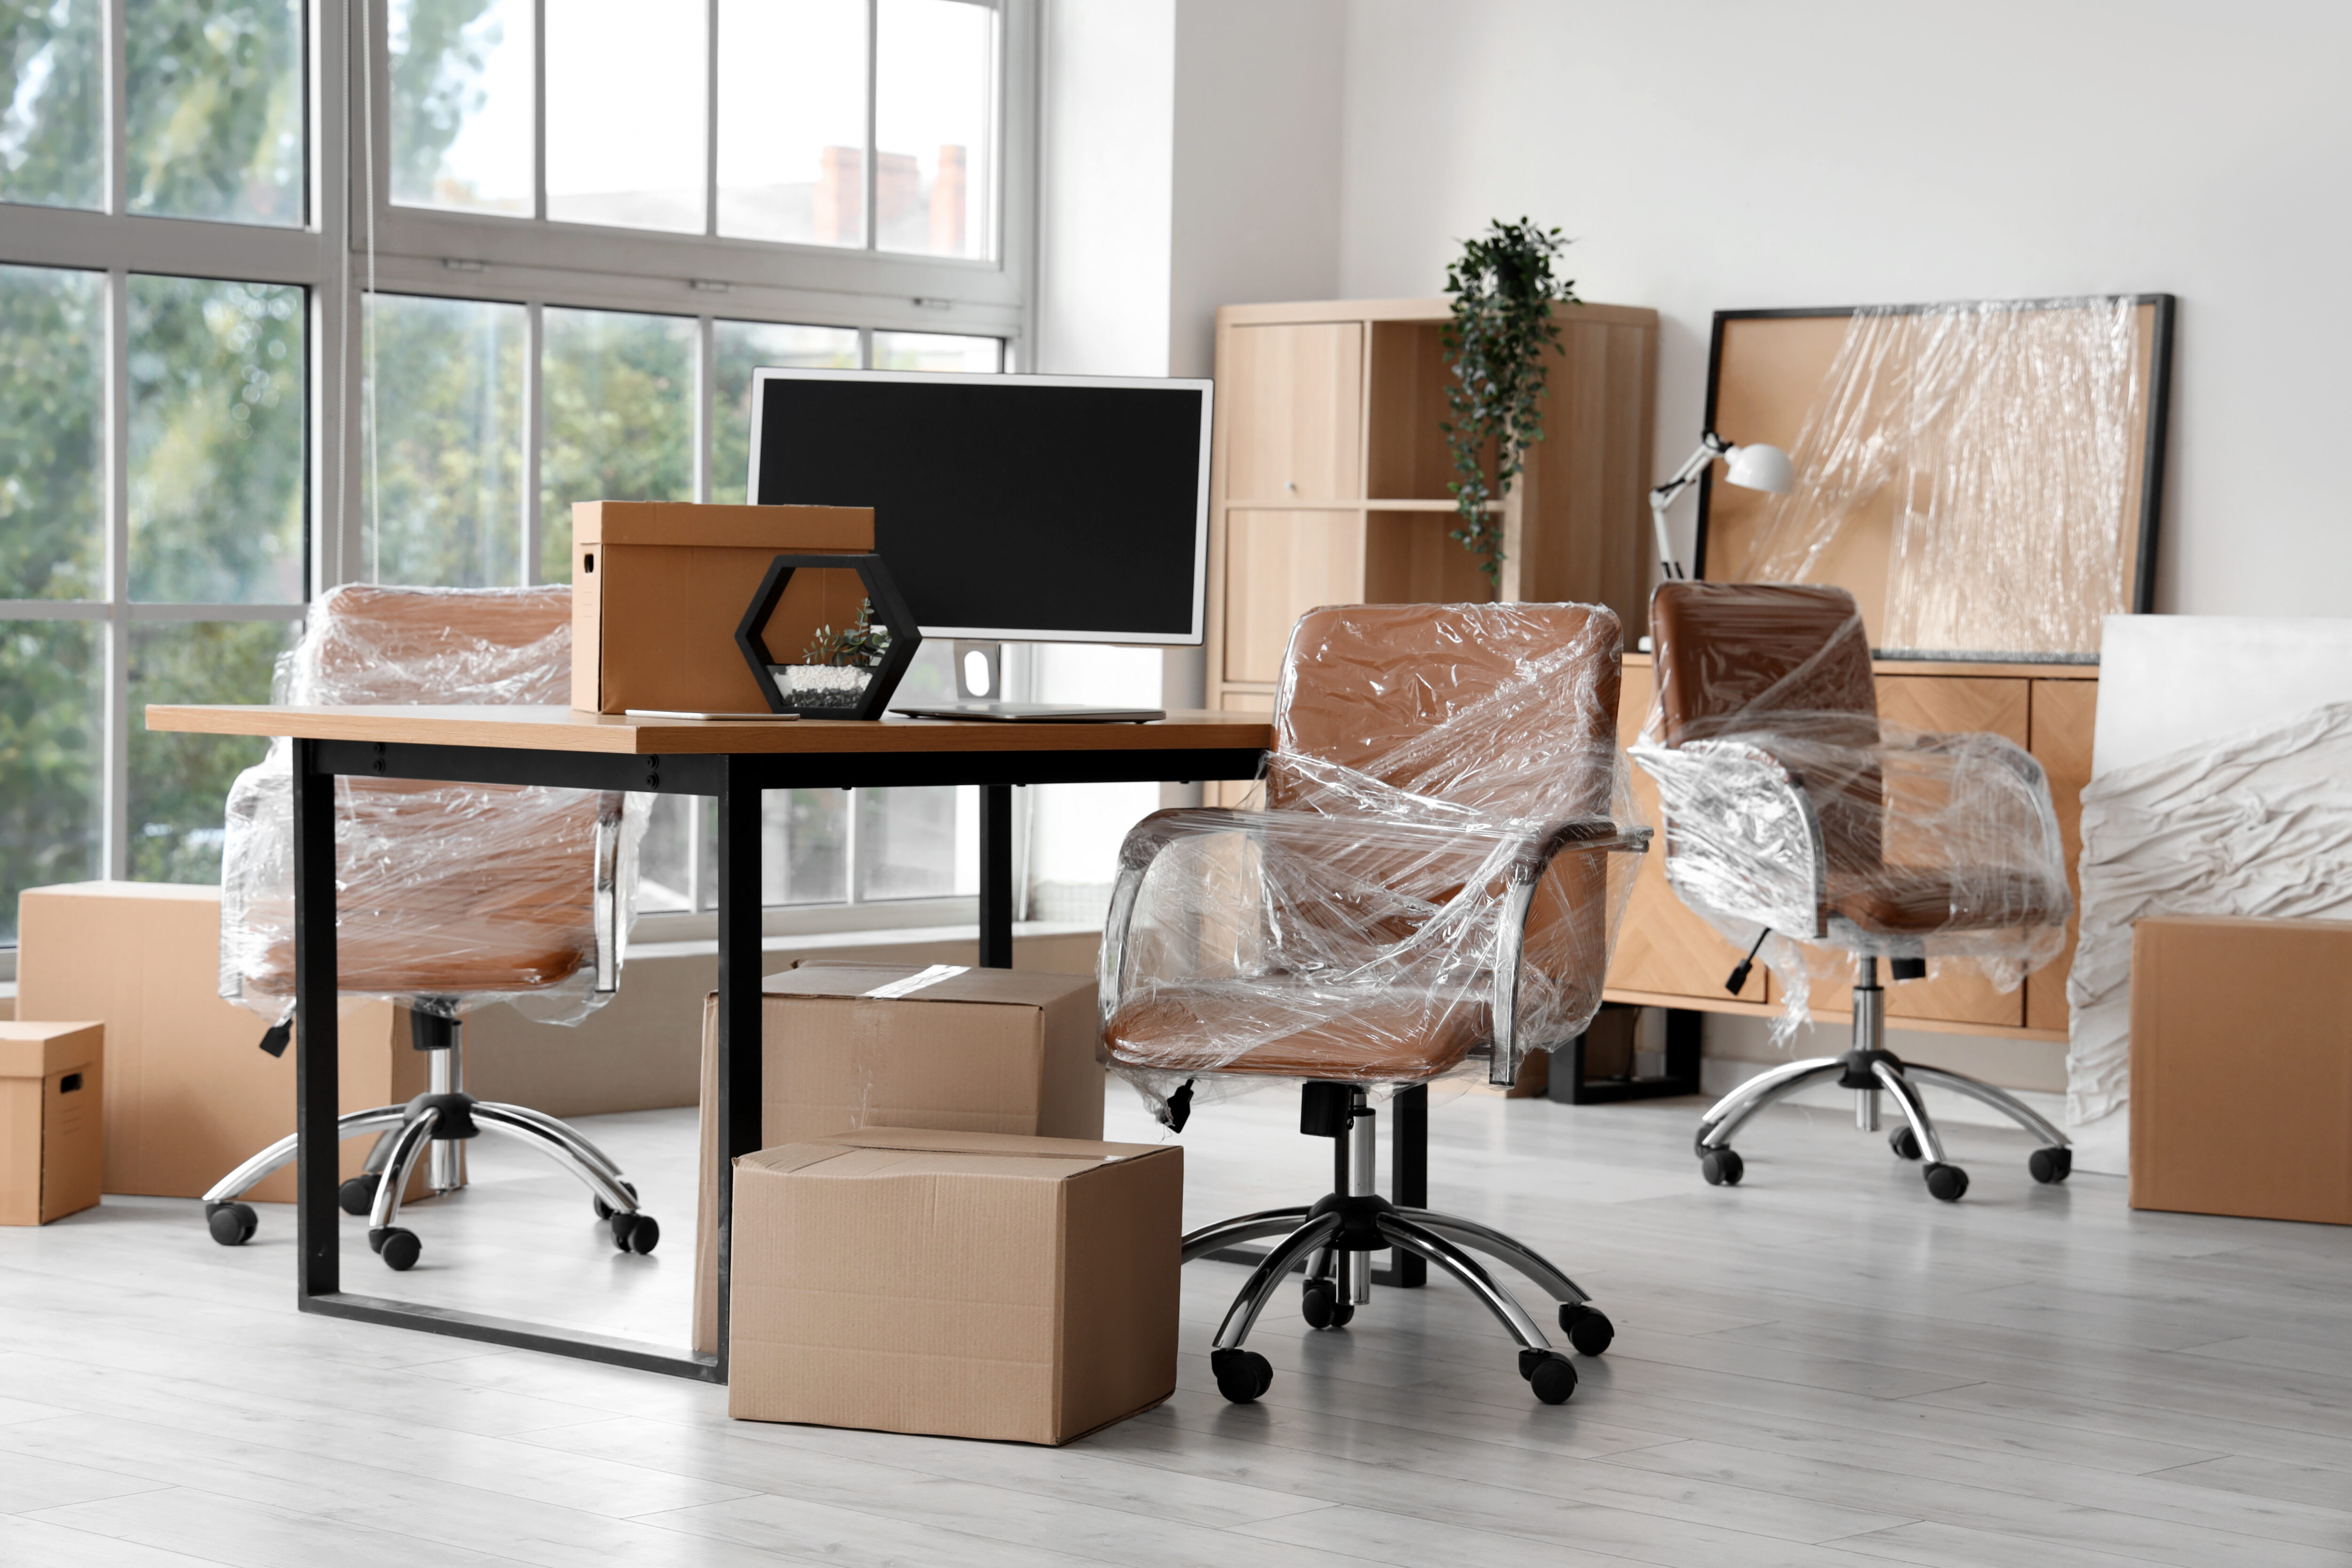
<point>1746,965</point>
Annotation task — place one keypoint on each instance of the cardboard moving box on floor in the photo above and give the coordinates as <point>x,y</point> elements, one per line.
<point>962,1050</point>
<point>50,1125</point>
<point>962,1284</point>
<point>2241,1067</point>
<point>658,588</point>
<point>188,1096</point>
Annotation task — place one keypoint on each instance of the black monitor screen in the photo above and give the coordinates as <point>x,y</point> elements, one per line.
<point>1024,507</point>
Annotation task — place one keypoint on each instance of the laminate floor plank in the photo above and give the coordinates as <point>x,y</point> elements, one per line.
<point>1822,1368</point>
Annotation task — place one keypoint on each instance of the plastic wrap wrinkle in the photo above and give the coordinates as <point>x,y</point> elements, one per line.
<point>1437,769</point>
<point>2259,826</point>
<point>446,895</point>
<point>2002,435</point>
<point>1793,812</point>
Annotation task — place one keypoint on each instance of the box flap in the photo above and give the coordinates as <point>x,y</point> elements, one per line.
<point>811,529</point>
<point>1014,987</point>
<point>39,1050</point>
<point>786,1158</point>
<point>2239,922</point>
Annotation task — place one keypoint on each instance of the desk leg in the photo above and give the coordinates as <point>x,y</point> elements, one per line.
<point>997,876</point>
<point>316,1095</point>
<point>740,1053</point>
<point>1409,1174</point>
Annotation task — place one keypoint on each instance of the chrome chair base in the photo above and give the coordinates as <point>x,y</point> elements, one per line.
<point>439,1121</point>
<point>1869,1069</point>
<point>1334,1238</point>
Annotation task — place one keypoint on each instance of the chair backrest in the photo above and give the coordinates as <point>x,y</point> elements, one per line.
<point>369,644</point>
<point>1786,661</point>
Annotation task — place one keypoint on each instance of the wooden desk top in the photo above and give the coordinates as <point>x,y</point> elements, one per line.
<point>568,729</point>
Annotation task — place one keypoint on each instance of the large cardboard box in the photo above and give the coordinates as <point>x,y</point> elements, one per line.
<point>50,1129</point>
<point>2241,1067</point>
<point>855,1046</point>
<point>658,588</point>
<point>189,1095</point>
<point>962,1284</point>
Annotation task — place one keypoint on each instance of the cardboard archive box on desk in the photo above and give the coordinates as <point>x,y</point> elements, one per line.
<point>50,1127</point>
<point>960,1284</point>
<point>958,1050</point>
<point>188,1094</point>
<point>2241,1067</point>
<point>658,588</point>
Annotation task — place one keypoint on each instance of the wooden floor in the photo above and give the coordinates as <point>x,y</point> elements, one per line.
<point>1821,1366</point>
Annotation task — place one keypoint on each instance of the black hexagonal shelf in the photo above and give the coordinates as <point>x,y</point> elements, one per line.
<point>889,609</point>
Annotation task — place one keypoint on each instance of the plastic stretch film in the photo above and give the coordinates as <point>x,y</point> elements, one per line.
<point>448,895</point>
<point>1436,878</point>
<point>1998,444</point>
<point>1790,810</point>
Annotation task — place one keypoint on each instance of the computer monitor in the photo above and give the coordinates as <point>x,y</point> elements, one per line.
<point>1008,508</point>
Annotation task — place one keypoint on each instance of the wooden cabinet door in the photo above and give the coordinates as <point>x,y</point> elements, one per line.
<point>1662,947</point>
<point>2064,713</point>
<point>1279,566</point>
<point>1293,396</point>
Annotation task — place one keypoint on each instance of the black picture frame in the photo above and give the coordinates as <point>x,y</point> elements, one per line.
<point>890,609</point>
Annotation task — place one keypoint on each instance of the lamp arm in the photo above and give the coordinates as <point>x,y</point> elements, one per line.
<point>1710,447</point>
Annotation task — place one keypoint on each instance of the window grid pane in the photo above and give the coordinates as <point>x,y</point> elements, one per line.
<point>934,127</point>
<point>625,139</point>
<point>618,417</point>
<point>52,370</point>
<point>179,784</point>
<point>53,123</point>
<point>792,121</point>
<point>51,717</point>
<point>460,78</point>
<point>212,94</point>
<point>938,352</point>
<point>737,349</point>
<point>443,476</point>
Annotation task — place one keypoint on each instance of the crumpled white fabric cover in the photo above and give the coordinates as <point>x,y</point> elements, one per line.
<point>2259,826</point>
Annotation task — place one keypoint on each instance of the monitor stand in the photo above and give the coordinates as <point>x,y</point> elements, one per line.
<point>979,694</point>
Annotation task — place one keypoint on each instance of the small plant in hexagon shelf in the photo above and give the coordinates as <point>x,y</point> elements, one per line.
<point>835,666</point>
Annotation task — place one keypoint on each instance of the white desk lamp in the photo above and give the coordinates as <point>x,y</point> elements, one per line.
<point>1754,467</point>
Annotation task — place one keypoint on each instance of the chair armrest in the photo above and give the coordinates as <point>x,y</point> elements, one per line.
<point>1591,835</point>
<point>1743,837</point>
<point>607,894</point>
<point>1141,846</point>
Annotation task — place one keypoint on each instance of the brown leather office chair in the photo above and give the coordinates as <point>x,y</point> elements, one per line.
<point>449,895</point>
<point>1428,886</point>
<point>1789,812</point>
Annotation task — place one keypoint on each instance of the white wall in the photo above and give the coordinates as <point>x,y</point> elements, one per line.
<point>1709,156</point>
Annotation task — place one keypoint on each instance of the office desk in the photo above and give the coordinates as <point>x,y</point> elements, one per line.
<point>733,763</point>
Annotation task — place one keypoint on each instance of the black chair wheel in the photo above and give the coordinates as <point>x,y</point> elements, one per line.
<point>604,1209</point>
<point>2051,1166</point>
<point>357,1197</point>
<point>1947,1182</point>
<point>1905,1142</point>
<point>1319,1304</point>
<point>1722,1167</point>
<point>232,1223</point>
<point>635,1232</point>
<point>398,1248</point>
<point>1588,1328</point>
<point>1551,1374</point>
<point>1242,1375</point>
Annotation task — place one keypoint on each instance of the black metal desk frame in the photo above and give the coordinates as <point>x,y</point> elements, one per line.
<point>736,781</point>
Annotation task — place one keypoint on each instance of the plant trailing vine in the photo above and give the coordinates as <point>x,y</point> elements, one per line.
<point>1503,291</point>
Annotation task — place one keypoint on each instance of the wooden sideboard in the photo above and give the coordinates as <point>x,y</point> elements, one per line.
<point>1668,957</point>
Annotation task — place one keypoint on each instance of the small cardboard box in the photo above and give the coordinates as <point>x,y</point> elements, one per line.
<point>2241,1067</point>
<point>189,1096</point>
<point>961,1284</point>
<point>658,588</point>
<point>852,1045</point>
<point>51,1132</point>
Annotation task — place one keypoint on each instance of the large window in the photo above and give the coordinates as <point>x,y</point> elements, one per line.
<point>297,294</point>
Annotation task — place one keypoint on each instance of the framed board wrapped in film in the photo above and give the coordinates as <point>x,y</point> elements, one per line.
<point>1983,476</point>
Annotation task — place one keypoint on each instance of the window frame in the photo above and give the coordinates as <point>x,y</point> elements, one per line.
<point>533,262</point>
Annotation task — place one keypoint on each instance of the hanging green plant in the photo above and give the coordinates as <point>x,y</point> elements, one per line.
<point>1503,292</point>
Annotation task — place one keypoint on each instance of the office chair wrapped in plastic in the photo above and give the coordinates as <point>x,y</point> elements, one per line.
<point>1431,888</point>
<point>1795,820</point>
<point>449,895</point>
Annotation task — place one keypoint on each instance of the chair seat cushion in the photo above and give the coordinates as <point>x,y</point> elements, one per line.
<point>1282,1026</point>
<point>1908,900</point>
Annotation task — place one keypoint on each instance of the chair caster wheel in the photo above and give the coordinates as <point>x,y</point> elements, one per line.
<point>1319,1304</point>
<point>1947,1182</point>
<point>2051,1166</point>
<point>1905,1142</point>
<point>635,1232</point>
<point>605,1210</point>
<point>357,1197</point>
<point>1722,1167</point>
<point>1588,1328</point>
<point>399,1249</point>
<point>232,1223</point>
<point>1242,1375</point>
<point>1551,1374</point>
